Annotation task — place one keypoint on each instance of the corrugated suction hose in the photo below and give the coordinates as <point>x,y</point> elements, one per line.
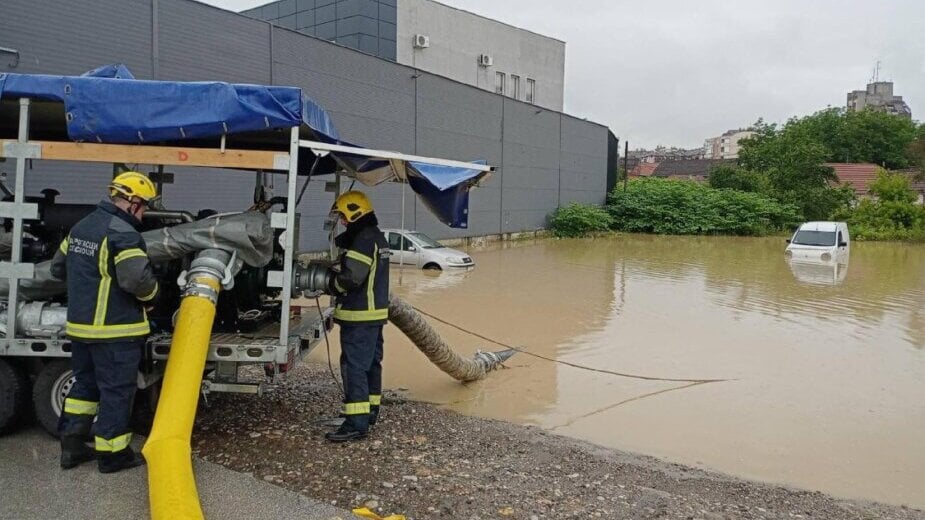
<point>404,316</point>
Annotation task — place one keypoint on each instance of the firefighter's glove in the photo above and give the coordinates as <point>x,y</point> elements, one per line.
<point>332,282</point>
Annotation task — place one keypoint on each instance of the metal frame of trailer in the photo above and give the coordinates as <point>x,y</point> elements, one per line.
<point>282,344</point>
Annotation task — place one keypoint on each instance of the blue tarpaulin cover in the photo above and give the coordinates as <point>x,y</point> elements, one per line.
<point>108,105</point>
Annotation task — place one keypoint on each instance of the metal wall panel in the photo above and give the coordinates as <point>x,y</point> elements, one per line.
<point>68,38</point>
<point>198,42</point>
<point>459,122</point>
<point>372,104</point>
<point>74,181</point>
<point>530,186</point>
<point>583,162</point>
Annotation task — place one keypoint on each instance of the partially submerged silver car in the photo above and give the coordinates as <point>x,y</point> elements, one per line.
<point>419,250</point>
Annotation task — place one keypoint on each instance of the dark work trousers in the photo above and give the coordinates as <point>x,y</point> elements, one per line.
<point>361,370</point>
<point>106,377</point>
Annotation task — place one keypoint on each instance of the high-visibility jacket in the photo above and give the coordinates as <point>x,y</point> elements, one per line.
<point>362,283</point>
<point>109,277</point>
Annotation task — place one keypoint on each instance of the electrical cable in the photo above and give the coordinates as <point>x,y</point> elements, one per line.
<point>566,363</point>
<point>328,343</point>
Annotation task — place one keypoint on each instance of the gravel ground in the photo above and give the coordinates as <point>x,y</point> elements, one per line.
<point>426,462</point>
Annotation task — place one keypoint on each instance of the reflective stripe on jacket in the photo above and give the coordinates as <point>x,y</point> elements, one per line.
<point>362,285</point>
<point>109,277</point>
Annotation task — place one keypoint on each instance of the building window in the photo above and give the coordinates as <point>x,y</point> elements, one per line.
<point>515,86</point>
<point>500,79</point>
<point>531,91</point>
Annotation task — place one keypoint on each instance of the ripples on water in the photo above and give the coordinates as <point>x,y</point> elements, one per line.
<point>827,362</point>
<point>749,275</point>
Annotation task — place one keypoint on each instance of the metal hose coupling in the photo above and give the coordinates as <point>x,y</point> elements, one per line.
<point>312,278</point>
<point>210,269</point>
<point>492,360</point>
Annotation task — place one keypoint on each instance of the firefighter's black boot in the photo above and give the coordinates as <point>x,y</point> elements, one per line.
<point>345,434</point>
<point>123,459</point>
<point>74,451</point>
<point>355,428</point>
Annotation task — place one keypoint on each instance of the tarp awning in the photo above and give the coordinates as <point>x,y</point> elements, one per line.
<point>107,105</point>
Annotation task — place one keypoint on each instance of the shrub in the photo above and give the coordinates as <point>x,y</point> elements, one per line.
<point>893,187</point>
<point>886,220</point>
<point>685,208</point>
<point>893,215</point>
<point>578,220</point>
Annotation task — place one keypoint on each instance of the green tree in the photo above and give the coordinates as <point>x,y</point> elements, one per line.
<point>790,161</point>
<point>876,137</point>
<point>916,153</point>
<point>858,136</point>
<point>795,169</point>
<point>740,179</point>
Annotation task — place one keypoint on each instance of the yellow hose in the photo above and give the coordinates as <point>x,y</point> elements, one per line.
<point>171,483</point>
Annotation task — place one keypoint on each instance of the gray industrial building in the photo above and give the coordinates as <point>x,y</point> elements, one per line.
<point>544,158</point>
<point>364,25</point>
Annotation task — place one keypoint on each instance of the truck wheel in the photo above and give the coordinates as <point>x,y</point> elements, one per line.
<point>51,387</point>
<point>14,396</point>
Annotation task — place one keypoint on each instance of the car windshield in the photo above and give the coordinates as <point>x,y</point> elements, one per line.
<point>814,238</point>
<point>425,241</point>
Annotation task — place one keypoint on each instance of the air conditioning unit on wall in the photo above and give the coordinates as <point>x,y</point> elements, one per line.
<point>421,41</point>
<point>485,60</point>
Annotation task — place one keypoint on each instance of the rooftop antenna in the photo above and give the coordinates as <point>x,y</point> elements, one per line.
<point>876,76</point>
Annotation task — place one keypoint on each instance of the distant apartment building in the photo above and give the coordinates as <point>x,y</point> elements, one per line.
<point>725,146</point>
<point>436,38</point>
<point>663,153</point>
<point>879,96</point>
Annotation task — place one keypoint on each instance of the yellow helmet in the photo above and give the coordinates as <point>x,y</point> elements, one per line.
<point>133,184</point>
<point>353,205</point>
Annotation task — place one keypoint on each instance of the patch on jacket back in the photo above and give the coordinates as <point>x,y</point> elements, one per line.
<point>83,247</point>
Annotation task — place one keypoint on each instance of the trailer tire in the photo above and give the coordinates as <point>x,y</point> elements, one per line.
<point>14,396</point>
<point>48,393</point>
<point>144,407</point>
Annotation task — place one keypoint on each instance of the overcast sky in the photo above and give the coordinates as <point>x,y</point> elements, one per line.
<point>674,72</point>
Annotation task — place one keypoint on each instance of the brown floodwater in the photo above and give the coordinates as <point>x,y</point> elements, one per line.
<point>824,364</point>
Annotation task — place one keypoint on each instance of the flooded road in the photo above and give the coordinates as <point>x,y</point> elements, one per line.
<point>824,365</point>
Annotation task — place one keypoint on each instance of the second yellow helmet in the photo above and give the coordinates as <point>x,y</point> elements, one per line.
<point>353,205</point>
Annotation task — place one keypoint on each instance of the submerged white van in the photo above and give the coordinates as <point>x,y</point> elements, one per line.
<point>819,241</point>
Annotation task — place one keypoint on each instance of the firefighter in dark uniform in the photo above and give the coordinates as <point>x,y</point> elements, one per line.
<point>109,284</point>
<point>361,284</point>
